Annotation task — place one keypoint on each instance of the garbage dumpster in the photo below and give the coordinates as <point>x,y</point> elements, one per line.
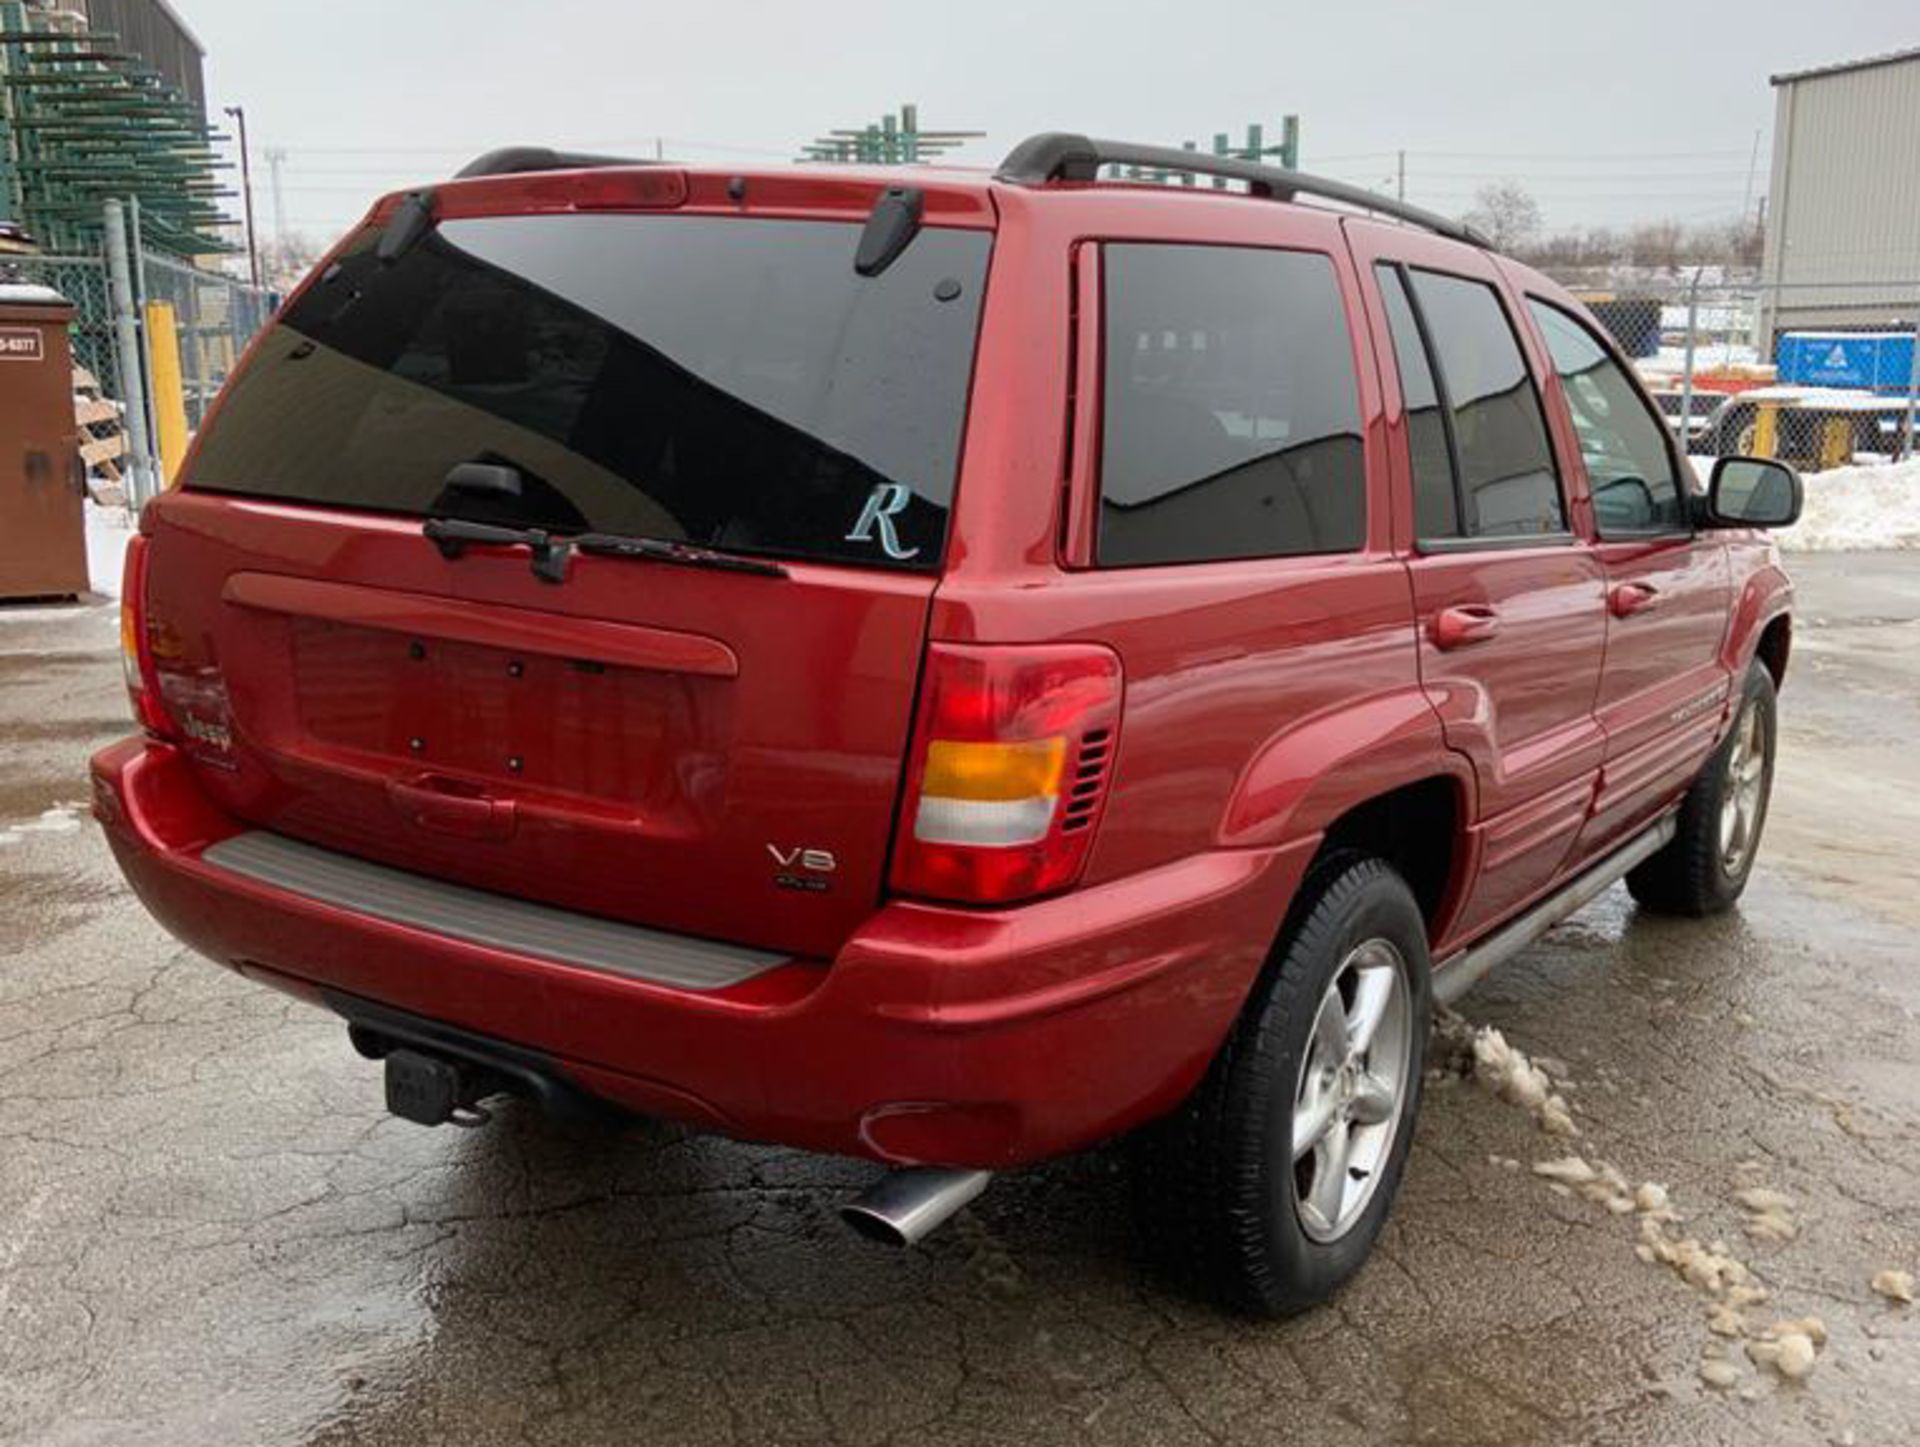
<point>43,537</point>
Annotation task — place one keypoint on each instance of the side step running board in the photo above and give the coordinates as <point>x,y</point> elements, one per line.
<point>1459,973</point>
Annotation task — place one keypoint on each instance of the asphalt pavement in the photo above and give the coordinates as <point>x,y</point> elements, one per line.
<point>211,1232</point>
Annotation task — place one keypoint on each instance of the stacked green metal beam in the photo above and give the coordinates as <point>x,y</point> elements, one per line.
<point>82,120</point>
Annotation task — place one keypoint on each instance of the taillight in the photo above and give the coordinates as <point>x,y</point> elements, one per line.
<point>136,653</point>
<point>1010,765</point>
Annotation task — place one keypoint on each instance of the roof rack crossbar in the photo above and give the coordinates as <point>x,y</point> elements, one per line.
<point>1060,156</point>
<point>513,160</point>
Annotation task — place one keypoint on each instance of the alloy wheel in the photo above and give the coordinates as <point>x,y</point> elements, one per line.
<point>1744,796</point>
<point>1352,1090</point>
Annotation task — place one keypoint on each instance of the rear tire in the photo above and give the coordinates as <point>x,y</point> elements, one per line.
<point>1705,867</point>
<point>1269,1186</point>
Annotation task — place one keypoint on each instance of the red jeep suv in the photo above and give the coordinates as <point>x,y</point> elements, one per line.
<point>940,667</point>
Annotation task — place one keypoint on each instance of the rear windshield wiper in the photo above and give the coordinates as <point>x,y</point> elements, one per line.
<point>691,555</point>
<point>550,552</point>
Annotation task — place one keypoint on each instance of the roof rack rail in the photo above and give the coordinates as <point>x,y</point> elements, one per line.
<point>512,160</point>
<point>1060,156</point>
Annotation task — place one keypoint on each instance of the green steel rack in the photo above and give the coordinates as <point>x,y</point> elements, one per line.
<point>81,121</point>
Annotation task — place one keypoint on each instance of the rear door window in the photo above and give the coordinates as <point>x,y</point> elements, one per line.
<point>725,381</point>
<point>1435,504</point>
<point>1630,470</point>
<point>1506,485</point>
<point>1230,415</point>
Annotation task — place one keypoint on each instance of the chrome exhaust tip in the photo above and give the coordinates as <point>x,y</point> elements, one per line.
<point>903,1207</point>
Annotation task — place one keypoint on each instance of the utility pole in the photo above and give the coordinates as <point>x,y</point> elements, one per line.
<point>276,158</point>
<point>1400,178</point>
<point>1753,165</point>
<point>239,114</point>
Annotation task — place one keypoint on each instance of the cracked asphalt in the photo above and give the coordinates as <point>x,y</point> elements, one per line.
<point>210,1232</point>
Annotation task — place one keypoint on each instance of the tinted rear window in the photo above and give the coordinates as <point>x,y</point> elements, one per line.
<point>1231,419</point>
<point>726,381</point>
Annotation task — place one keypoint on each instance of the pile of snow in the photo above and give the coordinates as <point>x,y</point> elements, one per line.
<point>1707,355</point>
<point>1853,509</point>
<point>108,531</point>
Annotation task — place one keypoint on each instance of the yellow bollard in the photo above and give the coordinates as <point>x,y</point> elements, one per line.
<point>1766,429</point>
<point>1836,443</point>
<point>168,394</point>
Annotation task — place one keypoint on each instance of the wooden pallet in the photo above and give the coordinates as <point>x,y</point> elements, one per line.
<point>103,439</point>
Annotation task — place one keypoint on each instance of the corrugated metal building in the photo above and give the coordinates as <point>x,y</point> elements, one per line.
<point>154,31</point>
<point>1843,214</point>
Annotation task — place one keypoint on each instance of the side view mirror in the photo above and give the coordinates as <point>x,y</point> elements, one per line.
<point>1752,492</point>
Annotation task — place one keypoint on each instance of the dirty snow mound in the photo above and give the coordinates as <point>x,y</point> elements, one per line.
<point>108,531</point>
<point>1725,1285</point>
<point>1506,1073</point>
<point>1769,1214</point>
<point>1853,509</point>
<point>1895,1286</point>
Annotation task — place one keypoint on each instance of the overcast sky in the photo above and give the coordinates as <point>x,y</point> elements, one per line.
<point>1609,110</point>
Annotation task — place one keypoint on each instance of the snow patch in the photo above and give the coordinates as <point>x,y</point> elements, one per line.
<point>1716,1372</point>
<point>1790,1347</point>
<point>63,818</point>
<point>1502,1071</point>
<point>1769,1214</point>
<point>109,529</point>
<point>1853,509</point>
<point>1895,1286</point>
<point>1730,1290</point>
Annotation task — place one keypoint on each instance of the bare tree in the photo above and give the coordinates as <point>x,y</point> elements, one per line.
<point>1506,214</point>
<point>1656,244</point>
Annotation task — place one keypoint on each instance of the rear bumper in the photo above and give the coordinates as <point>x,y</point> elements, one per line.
<point>937,1035</point>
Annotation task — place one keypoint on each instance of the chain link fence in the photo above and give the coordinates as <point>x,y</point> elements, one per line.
<point>1735,370</point>
<point>82,280</point>
<point>215,316</point>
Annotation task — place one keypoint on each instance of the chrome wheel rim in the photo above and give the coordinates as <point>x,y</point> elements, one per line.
<point>1352,1089</point>
<point>1744,795</point>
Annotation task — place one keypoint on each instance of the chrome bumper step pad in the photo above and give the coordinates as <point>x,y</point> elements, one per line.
<point>478,917</point>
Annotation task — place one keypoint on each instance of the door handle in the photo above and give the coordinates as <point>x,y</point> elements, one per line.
<point>451,807</point>
<point>1626,599</point>
<point>1464,624</point>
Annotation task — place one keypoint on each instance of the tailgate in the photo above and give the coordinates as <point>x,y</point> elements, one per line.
<point>708,751</point>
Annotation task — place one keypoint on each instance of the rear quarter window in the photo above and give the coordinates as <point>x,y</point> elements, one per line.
<point>725,381</point>
<point>1230,415</point>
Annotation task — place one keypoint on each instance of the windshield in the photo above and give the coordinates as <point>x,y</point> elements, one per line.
<point>722,381</point>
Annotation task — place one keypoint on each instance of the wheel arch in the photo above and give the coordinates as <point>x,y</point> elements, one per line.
<point>1761,624</point>
<point>1775,646</point>
<point>1419,829</point>
<point>1374,775</point>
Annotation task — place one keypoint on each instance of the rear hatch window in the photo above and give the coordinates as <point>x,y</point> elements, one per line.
<point>725,381</point>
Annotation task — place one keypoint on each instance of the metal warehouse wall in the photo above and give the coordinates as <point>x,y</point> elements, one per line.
<point>153,30</point>
<point>1844,204</point>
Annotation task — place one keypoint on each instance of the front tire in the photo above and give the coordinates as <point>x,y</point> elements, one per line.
<point>1705,867</point>
<point>1272,1182</point>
